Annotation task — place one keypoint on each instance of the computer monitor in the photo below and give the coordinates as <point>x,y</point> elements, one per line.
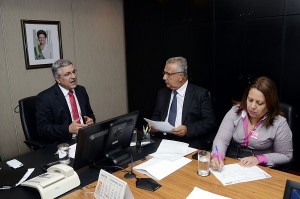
<point>120,131</point>
<point>103,139</point>
<point>90,144</point>
<point>292,190</point>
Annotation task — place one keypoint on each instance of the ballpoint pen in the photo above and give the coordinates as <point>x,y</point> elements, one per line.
<point>218,156</point>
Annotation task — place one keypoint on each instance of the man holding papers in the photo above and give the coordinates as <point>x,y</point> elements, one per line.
<point>185,106</point>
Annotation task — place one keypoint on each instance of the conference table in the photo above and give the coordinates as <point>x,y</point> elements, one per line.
<point>47,155</point>
<point>178,184</point>
<point>182,182</point>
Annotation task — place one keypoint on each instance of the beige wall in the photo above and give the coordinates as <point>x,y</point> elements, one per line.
<point>92,38</point>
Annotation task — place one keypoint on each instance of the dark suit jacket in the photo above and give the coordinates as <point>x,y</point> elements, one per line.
<point>53,116</point>
<point>197,115</point>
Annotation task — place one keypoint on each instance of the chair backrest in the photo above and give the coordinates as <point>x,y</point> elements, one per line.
<point>288,113</point>
<point>28,118</point>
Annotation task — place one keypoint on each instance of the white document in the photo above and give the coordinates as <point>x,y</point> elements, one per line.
<point>234,173</point>
<point>172,150</point>
<point>199,193</point>
<point>14,163</point>
<point>172,156</point>
<point>160,125</point>
<point>72,150</point>
<point>158,169</point>
<point>170,146</point>
<point>27,174</point>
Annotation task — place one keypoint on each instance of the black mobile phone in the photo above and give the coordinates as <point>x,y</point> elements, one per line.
<point>195,155</point>
<point>147,183</point>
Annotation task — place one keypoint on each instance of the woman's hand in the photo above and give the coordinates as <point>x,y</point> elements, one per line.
<point>216,164</point>
<point>248,161</point>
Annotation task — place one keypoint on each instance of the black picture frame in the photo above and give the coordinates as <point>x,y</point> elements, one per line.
<point>292,190</point>
<point>50,34</point>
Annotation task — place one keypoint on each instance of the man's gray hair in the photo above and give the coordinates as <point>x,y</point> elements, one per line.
<point>58,64</point>
<point>181,64</point>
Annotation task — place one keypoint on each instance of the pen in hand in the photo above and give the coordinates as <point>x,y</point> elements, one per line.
<point>218,158</point>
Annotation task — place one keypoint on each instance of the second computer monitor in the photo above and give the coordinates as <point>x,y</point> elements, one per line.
<point>97,141</point>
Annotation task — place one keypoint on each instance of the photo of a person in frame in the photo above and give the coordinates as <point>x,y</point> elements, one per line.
<point>43,48</point>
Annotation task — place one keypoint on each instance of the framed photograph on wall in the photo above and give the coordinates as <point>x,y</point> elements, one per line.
<point>42,43</point>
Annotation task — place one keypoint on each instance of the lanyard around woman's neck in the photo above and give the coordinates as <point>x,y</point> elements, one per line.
<point>245,124</point>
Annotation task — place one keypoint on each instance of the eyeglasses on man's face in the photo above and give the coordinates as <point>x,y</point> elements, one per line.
<point>69,74</point>
<point>170,74</point>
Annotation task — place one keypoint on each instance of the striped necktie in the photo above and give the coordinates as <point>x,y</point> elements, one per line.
<point>73,106</point>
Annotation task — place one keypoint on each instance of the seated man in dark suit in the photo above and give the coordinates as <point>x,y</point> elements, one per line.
<point>64,108</point>
<point>191,112</point>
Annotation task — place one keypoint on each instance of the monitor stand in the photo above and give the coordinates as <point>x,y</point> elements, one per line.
<point>120,157</point>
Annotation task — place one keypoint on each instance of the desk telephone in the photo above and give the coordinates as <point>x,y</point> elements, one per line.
<point>58,180</point>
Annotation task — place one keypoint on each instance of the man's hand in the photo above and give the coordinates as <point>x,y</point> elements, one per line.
<point>152,130</point>
<point>75,126</point>
<point>179,131</point>
<point>89,121</point>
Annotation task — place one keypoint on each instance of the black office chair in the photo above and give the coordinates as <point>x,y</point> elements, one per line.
<point>288,113</point>
<point>28,120</point>
<point>209,139</point>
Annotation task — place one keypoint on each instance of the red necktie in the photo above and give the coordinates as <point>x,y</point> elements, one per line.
<point>73,106</point>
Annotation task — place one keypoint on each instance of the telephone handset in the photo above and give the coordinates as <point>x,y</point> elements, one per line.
<point>58,180</point>
<point>63,169</point>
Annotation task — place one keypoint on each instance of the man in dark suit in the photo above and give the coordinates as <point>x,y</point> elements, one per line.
<point>64,108</point>
<point>194,120</point>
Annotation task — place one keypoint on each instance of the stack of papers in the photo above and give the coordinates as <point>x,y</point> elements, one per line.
<point>158,169</point>
<point>168,158</point>
<point>234,173</point>
<point>172,150</point>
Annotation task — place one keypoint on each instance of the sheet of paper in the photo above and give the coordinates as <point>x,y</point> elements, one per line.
<point>199,193</point>
<point>72,150</point>
<point>27,174</point>
<point>234,173</point>
<point>160,125</point>
<point>172,156</point>
<point>14,163</point>
<point>172,150</point>
<point>171,146</point>
<point>158,169</point>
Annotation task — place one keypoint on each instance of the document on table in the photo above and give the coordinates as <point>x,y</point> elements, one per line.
<point>199,193</point>
<point>158,169</point>
<point>234,173</point>
<point>160,125</point>
<point>172,150</point>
